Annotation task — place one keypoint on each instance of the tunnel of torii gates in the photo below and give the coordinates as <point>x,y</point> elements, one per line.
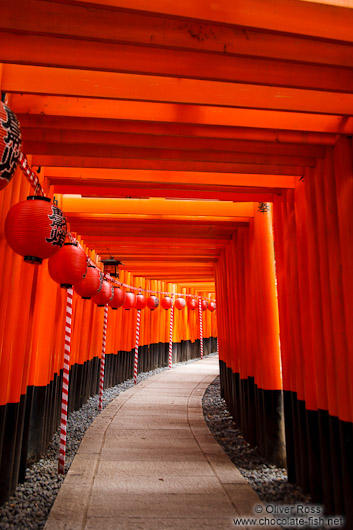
<point>207,146</point>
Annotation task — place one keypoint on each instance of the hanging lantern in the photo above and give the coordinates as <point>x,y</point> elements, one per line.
<point>204,305</point>
<point>111,266</point>
<point>130,301</point>
<point>35,229</point>
<point>140,301</point>
<point>68,266</point>
<point>10,141</point>
<point>180,303</point>
<point>90,284</point>
<point>118,298</point>
<point>211,306</point>
<point>104,293</point>
<point>152,302</point>
<point>166,302</point>
<point>192,303</point>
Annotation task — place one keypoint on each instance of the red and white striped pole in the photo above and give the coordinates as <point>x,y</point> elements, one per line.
<point>101,379</point>
<point>201,333</point>
<point>65,386</point>
<point>171,325</point>
<point>30,175</point>
<point>138,321</point>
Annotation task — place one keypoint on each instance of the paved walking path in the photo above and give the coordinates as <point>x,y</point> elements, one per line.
<point>149,462</point>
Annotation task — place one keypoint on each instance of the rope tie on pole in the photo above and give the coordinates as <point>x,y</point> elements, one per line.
<point>30,175</point>
<point>201,333</point>
<point>102,363</point>
<point>171,325</point>
<point>138,321</point>
<point>65,386</point>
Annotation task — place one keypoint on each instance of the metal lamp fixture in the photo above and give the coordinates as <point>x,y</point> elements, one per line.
<point>111,266</point>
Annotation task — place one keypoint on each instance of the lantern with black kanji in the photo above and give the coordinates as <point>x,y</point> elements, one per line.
<point>152,302</point>
<point>35,229</point>
<point>101,298</point>
<point>211,306</point>
<point>140,301</point>
<point>166,302</point>
<point>130,300</point>
<point>88,287</point>
<point>68,266</point>
<point>192,303</point>
<point>10,142</point>
<point>180,303</point>
<point>118,298</point>
<point>204,305</point>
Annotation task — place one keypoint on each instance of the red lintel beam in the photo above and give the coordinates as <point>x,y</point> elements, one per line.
<point>41,121</point>
<point>179,155</point>
<point>286,16</point>
<point>165,112</point>
<point>89,207</point>
<point>240,195</point>
<point>90,55</point>
<point>163,165</point>
<point>99,23</point>
<point>111,85</point>
<point>134,177</point>
<point>128,241</point>
<point>42,135</point>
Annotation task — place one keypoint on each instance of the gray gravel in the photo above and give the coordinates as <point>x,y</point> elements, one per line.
<point>29,507</point>
<point>268,480</point>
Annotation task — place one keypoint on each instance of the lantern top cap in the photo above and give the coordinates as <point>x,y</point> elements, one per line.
<point>37,198</point>
<point>111,261</point>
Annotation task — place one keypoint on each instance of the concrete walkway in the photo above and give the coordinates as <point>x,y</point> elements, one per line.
<point>149,462</point>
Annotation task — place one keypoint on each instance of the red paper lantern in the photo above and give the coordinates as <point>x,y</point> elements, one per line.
<point>192,303</point>
<point>140,301</point>
<point>10,141</point>
<point>118,298</point>
<point>90,284</point>
<point>152,302</point>
<point>68,266</point>
<point>166,302</point>
<point>130,301</point>
<point>35,229</point>
<point>103,295</point>
<point>211,306</point>
<point>180,303</point>
<point>204,305</point>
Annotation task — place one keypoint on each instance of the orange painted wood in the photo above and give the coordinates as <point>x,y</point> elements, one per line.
<point>140,153</point>
<point>193,130</point>
<point>179,113</point>
<point>58,136</point>
<point>136,27</point>
<point>26,79</point>
<point>288,16</point>
<point>39,50</point>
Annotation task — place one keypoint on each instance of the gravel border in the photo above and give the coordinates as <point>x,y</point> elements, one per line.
<point>30,505</point>
<point>269,481</point>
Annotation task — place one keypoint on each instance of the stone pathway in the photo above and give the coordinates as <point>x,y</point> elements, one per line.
<point>149,462</point>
